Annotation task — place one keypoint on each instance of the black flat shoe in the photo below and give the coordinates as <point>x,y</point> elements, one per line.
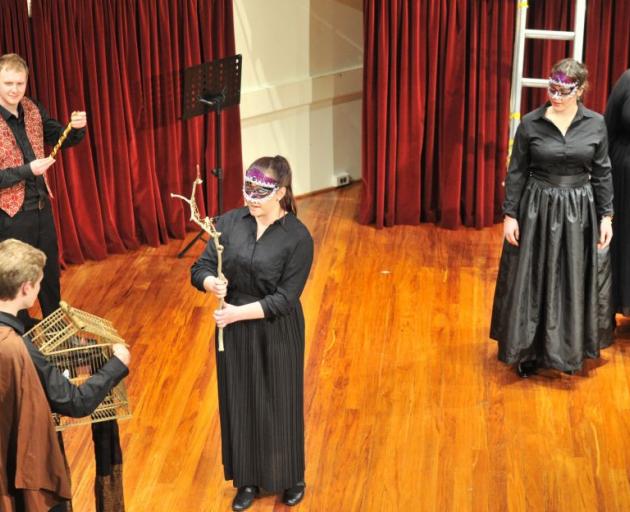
<point>294,495</point>
<point>526,368</point>
<point>245,497</point>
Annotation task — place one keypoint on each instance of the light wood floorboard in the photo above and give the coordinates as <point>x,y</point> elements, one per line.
<point>406,406</point>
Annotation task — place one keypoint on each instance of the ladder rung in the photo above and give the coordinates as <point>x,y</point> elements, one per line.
<point>557,35</point>
<point>534,82</point>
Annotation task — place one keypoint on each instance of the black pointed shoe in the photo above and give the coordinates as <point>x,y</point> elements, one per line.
<point>526,368</point>
<point>294,495</point>
<point>245,497</point>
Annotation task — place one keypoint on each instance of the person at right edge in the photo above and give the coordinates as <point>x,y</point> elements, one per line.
<point>552,304</point>
<point>618,123</point>
<point>266,261</point>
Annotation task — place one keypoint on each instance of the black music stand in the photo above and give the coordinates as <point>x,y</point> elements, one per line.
<point>211,87</point>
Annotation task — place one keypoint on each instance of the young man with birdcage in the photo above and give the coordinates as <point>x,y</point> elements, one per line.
<point>33,475</point>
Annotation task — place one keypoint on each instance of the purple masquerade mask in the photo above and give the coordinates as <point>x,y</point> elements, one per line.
<point>560,78</point>
<point>257,186</point>
<point>561,85</point>
<point>256,175</point>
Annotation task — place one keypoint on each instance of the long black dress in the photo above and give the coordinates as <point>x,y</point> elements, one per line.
<point>260,373</point>
<point>618,123</point>
<point>552,299</point>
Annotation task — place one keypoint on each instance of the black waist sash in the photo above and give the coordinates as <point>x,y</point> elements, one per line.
<point>555,180</point>
<point>240,298</point>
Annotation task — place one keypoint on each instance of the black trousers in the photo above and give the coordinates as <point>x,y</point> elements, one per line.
<point>21,507</point>
<point>62,507</point>
<point>37,228</point>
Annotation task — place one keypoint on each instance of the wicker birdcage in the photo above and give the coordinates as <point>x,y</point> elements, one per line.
<point>79,343</point>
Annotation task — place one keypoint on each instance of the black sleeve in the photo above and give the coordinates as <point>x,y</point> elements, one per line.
<point>614,107</point>
<point>9,176</point>
<point>294,277</point>
<point>206,264</point>
<point>517,172</point>
<point>68,399</point>
<point>601,177</point>
<point>53,130</point>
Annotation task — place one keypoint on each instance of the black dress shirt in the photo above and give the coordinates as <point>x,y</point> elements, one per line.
<point>272,270</point>
<point>63,396</point>
<point>35,185</point>
<point>618,114</point>
<point>540,147</point>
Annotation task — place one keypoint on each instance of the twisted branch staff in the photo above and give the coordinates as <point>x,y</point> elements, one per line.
<point>208,226</point>
<point>61,140</point>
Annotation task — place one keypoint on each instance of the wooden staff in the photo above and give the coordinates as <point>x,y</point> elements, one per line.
<point>208,226</point>
<point>63,137</point>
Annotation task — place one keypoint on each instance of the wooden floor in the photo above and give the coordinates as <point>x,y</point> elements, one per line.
<point>407,407</point>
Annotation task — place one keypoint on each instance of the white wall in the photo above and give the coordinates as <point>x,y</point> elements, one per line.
<point>302,82</point>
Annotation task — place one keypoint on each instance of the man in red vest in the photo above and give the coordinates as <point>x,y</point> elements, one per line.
<point>25,211</point>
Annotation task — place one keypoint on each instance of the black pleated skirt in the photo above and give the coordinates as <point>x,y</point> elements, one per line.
<point>553,295</point>
<point>261,401</point>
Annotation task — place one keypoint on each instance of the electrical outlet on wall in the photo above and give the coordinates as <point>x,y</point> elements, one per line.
<point>341,179</point>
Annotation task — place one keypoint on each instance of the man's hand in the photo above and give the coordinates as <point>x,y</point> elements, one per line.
<point>78,120</point>
<point>122,353</point>
<point>39,166</point>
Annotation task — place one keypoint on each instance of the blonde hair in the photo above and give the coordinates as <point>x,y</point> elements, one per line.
<point>19,263</point>
<point>13,61</point>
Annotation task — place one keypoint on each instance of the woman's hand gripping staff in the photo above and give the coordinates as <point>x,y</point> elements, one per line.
<point>216,285</point>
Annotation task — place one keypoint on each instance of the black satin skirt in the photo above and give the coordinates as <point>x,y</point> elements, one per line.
<point>552,300</point>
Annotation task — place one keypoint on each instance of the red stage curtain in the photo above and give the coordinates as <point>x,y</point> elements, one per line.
<point>607,47</point>
<point>120,60</point>
<point>436,89</point>
<point>15,29</point>
<point>436,99</point>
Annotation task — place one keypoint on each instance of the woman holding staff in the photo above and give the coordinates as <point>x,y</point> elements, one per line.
<point>267,257</point>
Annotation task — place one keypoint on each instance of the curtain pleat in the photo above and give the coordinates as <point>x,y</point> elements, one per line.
<point>436,83</point>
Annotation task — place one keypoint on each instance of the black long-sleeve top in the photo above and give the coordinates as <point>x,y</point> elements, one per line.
<point>35,185</point>
<point>272,270</point>
<point>618,112</point>
<point>63,396</point>
<point>539,146</point>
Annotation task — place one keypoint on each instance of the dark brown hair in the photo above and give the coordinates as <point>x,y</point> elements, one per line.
<point>281,171</point>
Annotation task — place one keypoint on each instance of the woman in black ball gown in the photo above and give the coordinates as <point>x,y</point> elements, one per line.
<point>552,305</point>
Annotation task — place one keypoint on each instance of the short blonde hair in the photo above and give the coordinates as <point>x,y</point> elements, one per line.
<point>19,263</point>
<point>13,62</point>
